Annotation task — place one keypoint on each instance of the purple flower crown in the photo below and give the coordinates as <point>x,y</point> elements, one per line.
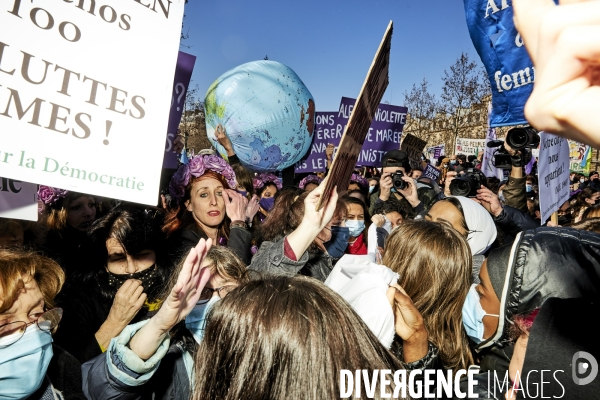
<point>309,179</point>
<point>196,167</point>
<point>51,196</point>
<point>262,179</point>
<point>358,179</point>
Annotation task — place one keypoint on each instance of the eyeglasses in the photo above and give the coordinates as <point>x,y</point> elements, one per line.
<point>207,292</point>
<point>11,333</point>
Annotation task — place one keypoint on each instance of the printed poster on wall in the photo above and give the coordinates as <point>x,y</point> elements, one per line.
<point>85,93</point>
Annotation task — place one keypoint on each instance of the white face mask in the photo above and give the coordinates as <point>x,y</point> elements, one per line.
<point>581,180</point>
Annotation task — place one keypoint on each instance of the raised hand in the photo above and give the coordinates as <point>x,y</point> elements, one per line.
<point>223,139</point>
<point>128,301</point>
<point>178,304</point>
<point>235,205</point>
<point>253,207</point>
<point>409,324</point>
<point>563,44</point>
<point>489,200</point>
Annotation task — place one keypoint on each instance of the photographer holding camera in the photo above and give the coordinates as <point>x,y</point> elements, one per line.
<point>395,182</point>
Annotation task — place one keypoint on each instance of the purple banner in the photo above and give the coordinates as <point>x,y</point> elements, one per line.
<point>384,135</point>
<point>183,74</point>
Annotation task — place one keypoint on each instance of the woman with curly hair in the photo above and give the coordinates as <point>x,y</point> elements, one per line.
<point>207,206</point>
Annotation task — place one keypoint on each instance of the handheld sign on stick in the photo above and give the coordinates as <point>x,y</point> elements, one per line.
<point>363,113</point>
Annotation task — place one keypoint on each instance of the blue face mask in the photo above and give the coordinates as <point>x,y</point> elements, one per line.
<point>472,314</point>
<point>23,364</point>
<point>242,192</point>
<point>355,226</point>
<point>267,203</point>
<point>528,188</point>
<point>195,322</point>
<point>371,188</point>
<point>338,242</point>
<point>452,162</point>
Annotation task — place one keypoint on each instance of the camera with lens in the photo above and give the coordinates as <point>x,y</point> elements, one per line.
<point>399,184</point>
<point>519,139</point>
<point>467,184</point>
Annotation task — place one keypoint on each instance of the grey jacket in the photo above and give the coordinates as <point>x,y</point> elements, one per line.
<point>271,259</point>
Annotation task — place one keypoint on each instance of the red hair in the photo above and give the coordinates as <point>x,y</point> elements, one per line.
<point>180,218</point>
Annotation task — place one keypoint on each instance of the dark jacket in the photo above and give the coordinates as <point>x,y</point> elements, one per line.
<point>512,221</point>
<point>63,375</point>
<point>85,309</point>
<point>271,259</point>
<point>164,376</point>
<point>182,241</point>
<point>70,249</point>
<point>541,263</point>
<point>426,195</point>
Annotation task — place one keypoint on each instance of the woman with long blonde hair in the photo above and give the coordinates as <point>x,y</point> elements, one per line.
<point>434,263</point>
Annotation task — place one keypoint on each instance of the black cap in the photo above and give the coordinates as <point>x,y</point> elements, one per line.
<point>396,158</point>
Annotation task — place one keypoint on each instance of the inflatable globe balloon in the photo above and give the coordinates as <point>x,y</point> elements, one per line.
<point>265,110</point>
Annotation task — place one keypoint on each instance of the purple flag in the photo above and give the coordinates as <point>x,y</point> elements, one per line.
<point>183,74</point>
<point>384,135</point>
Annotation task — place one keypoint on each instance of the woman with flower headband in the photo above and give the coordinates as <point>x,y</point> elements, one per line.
<point>266,185</point>
<point>68,216</point>
<point>207,206</point>
<point>310,183</point>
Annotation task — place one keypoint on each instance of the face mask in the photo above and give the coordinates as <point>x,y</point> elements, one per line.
<point>355,226</point>
<point>472,314</point>
<point>528,188</point>
<point>242,192</point>
<point>195,322</point>
<point>23,364</point>
<point>371,188</point>
<point>147,277</point>
<point>581,180</point>
<point>338,242</point>
<point>267,203</point>
<point>452,162</point>
<point>445,165</point>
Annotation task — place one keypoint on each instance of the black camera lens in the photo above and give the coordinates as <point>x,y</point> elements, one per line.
<point>397,181</point>
<point>460,187</point>
<point>520,138</point>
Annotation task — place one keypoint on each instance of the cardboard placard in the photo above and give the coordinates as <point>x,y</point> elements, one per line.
<point>413,146</point>
<point>85,93</point>
<point>364,111</point>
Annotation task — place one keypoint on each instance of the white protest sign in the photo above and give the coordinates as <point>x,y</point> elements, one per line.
<point>553,173</point>
<point>18,200</point>
<point>468,146</point>
<point>85,93</point>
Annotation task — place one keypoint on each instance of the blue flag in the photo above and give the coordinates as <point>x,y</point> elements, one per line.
<point>506,61</point>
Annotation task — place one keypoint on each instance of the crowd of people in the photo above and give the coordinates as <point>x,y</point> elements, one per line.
<point>239,286</point>
<point>237,268</point>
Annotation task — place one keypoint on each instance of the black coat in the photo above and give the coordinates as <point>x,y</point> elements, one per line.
<point>542,263</point>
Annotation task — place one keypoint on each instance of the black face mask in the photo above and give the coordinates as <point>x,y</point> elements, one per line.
<point>147,276</point>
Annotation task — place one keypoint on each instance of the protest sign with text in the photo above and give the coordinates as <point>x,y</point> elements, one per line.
<point>384,135</point>
<point>183,74</point>
<point>432,173</point>
<point>85,93</point>
<point>363,113</point>
<point>502,51</point>
<point>413,146</point>
<point>18,200</point>
<point>468,146</point>
<point>553,173</point>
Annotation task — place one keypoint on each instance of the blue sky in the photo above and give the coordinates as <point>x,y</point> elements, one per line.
<point>329,43</point>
